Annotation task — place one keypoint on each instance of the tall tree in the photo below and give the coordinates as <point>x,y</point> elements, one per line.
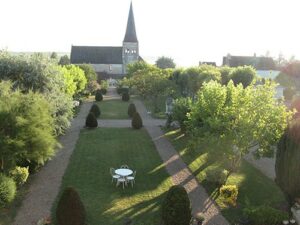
<point>64,60</point>
<point>244,75</point>
<point>53,55</point>
<point>232,119</point>
<point>165,62</point>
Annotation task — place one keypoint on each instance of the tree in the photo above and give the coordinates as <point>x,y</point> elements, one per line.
<point>53,55</point>
<point>287,164</point>
<point>64,60</point>
<point>134,67</point>
<point>78,77</point>
<point>89,72</point>
<point>27,130</point>
<point>244,75</point>
<point>225,74</point>
<point>176,208</point>
<point>165,62</point>
<point>70,210</point>
<point>221,118</point>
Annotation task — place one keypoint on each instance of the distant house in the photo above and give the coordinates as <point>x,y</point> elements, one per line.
<point>259,63</point>
<point>208,63</point>
<point>110,61</point>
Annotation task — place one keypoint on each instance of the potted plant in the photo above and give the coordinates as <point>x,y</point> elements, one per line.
<point>199,218</point>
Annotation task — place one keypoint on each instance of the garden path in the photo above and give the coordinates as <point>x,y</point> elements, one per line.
<point>45,184</point>
<point>175,166</point>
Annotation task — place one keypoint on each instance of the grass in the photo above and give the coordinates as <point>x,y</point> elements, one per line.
<point>254,188</point>
<point>88,171</point>
<point>113,109</point>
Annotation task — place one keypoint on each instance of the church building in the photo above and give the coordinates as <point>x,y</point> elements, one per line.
<point>110,62</point>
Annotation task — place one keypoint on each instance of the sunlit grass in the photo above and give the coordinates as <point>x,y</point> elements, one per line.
<point>114,109</point>
<point>88,171</point>
<point>254,188</point>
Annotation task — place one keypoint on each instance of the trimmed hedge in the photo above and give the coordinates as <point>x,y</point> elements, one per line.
<point>125,97</point>
<point>229,193</point>
<point>96,110</point>
<point>217,176</point>
<point>98,96</point>
<point>103,91</point>
<point>70,210</point>
<point>20,175</point>
<point>131,109</point>
<point>136,121</point>
<point>7,190</point>
<point>91,121</point>
<point>176,208</point>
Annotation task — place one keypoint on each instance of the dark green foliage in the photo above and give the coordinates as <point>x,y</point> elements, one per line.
<point>265,215</point>
<point>217,176</point>
<point>125,97</point>
<point>131,109</point>
<point>287,164</point>
<point>176,209</point>
<point>181,108</point>
<point>70,210</point>
<point>96,110</point>
<point>136,121</point>
<point>288,93</point>
<point>91,121</point>
<point>103,91</point>
<point>64,60</point>
<point>19,174</point>
<point>243,75</point>
<point>7,190</point>
<point>165,62</point>
<point>122,90</point>
<point>98,96</point>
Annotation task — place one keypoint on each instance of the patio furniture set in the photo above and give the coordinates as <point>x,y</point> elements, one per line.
<point>123,175</point>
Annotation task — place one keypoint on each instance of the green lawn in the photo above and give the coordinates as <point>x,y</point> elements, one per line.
<point>113,109</point>
<point>88,171</point>
<point>254,188</point>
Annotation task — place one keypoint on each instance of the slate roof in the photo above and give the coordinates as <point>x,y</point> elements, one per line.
<point>96,55</point>
<point>130,35</point>
<point>260,63</point>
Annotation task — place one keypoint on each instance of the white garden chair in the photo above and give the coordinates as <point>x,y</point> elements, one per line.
<point>131,179</point>
<point>121,180</point>
<point>124,167</point>
<point>113,175</point>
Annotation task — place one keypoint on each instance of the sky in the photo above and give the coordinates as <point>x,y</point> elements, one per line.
<point>188,31</point>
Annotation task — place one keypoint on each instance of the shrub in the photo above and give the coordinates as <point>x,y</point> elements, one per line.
<point>125,97</point>
<point>265,215</point>
<point>181,108</point>
<point>288,93</point>
<point>136,121</point>
<point>98,96</point>
<point>96,110</point>
<point>7,190</point>
<point>19,175</point>
<point>122,90</point>
<point>229,193</point>
<point>176,209</point>
<point>103,91</point>
<point>217,176</point>
<point>70,210</point>
<point>91,121</point>
<point>131,109</point>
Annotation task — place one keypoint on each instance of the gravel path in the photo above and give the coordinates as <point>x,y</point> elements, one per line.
<point>46,183</point>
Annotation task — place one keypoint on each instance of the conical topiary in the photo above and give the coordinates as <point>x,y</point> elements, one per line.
<point>136,121</point>
<point>91,121</point>
<point>70,210</point>
<point>96,110</point>
<point>125,97</point>
<point>98,96</point>
<point>131,109</point>
<point>176,208</point>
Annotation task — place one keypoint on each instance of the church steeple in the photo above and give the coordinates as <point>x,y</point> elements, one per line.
<point>130,35</point>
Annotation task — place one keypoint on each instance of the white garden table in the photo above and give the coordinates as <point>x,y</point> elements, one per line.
<point>123,172</point>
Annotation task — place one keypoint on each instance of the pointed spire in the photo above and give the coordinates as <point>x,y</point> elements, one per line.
<point>130,35</point>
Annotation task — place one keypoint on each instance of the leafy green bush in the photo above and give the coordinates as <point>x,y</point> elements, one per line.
<point>103,91</point>
<point>265,215</point>
<point>136,121</point>
<point>176,209</point>
<point>131,109</point>
<point>98,96</point>
<point>96,110</point>
<point>229,193</point>
<point>217,176</point>
<point>19,174</point>
<point>7,189</point>
<point>122,90</point>
<point>181,108</point>
<point>288,93</point>
<point>91,121</point>
<point>125,97</point>
<point>70,210</point>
